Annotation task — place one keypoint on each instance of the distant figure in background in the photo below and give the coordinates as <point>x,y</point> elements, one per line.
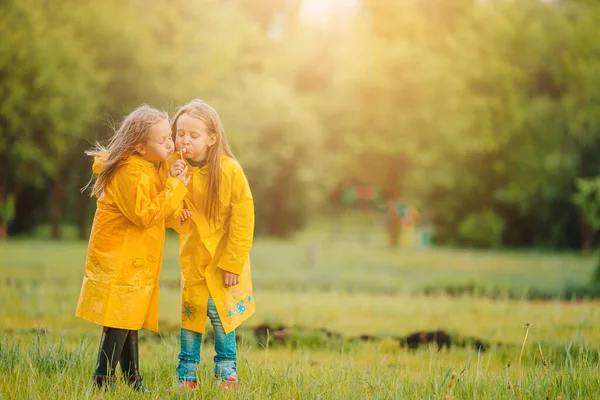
<point>406,225</point>
<point>214,253</point>
<point>396,211</point>
<point>120,287</point>
<point>410,221</point>
<point>312,253</point>
<point>423,231</point>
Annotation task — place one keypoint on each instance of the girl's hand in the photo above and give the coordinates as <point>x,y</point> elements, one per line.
<point>183,177</point>
<point>230,279</point>
<point>185,214</point>
<point>177,168</point>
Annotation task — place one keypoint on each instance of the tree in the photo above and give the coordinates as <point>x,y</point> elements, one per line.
<point>49,95</point>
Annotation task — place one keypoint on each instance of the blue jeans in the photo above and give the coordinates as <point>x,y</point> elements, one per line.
<point>225,347</point>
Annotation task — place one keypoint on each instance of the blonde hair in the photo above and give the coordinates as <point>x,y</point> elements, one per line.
<point>132,131</point>
<point>199,109</point>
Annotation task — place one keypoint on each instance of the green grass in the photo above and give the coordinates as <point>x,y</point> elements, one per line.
<point>346,264</point>
<point>53,367</point>
<point>354,287</point>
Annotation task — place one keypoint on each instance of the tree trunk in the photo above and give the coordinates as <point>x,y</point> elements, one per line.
<point>3,227</point>
<point>58,191</point>
<point>394,225</point>
<point>587,235</point>
<point>82,206</point>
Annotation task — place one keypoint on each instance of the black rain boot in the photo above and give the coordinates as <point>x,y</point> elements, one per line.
<point>104,382</point>
<point>130,363</point>
<point>109,353</point>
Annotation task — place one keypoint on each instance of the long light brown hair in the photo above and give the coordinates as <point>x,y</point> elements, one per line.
<point>199,109</point>
<point>132,131</point>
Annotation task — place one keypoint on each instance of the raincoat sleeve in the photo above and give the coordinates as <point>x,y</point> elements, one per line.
<point>163,171</point>
<point>132,196</point>
<point>174,220</point>
<point>241,225</point>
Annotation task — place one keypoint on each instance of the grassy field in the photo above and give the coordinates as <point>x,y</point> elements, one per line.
<point>349,286</point>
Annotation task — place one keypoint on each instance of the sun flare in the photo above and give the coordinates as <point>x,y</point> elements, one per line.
<point>326,10</point>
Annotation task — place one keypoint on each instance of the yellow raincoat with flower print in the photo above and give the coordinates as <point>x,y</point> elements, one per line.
<point>120,287</point>
<point>206,250</point>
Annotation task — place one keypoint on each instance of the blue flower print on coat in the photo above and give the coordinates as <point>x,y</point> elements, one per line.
<point>241,308</point>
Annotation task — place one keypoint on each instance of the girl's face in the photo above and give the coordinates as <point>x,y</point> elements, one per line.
<point>159,144</point>
<point>192,134</point>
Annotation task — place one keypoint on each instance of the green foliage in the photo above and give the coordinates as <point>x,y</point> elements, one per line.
<point>286,175</point>
<point>588,199</point>
<point>49,91</point>
<point>453,107</point>
<point>482,229</point>
<point>7,210</point>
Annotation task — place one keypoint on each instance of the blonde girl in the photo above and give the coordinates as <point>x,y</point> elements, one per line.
<point>120,288</point>
<point>214,252</point>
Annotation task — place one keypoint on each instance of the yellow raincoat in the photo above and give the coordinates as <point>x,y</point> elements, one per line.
<point>206,251</point>
<point>120,288</point>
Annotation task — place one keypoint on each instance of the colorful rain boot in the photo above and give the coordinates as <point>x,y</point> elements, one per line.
<point>231,383</point>
<point>184,384</point>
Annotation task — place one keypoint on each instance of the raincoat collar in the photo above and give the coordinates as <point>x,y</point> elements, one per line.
<point>202,170</point>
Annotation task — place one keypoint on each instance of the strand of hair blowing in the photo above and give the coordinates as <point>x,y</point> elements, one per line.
<point>132,131</point>
<point>199,109</point>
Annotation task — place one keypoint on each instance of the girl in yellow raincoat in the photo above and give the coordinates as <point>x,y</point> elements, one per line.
<point>214,252</point>
<point>120,288</point>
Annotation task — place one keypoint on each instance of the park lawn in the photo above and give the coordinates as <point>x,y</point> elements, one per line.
<point>59,367</point>
<point>352,289</point>
<point>314,261</point>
